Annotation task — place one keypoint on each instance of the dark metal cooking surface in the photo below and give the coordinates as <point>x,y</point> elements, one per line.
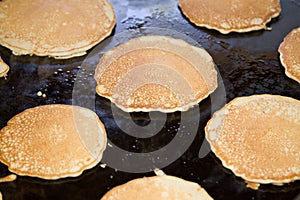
<point>248,64</point>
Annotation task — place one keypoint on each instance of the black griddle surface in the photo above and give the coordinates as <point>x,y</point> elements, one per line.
<point>248,64</point>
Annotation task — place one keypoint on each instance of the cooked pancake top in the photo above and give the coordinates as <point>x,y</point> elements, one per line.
<point>52,141</point>
<point>156,73</point>
<point>157,187</point>
<point>4,68</point>
<point>257,137</point>
<point>54,28</point>
<point>231,15</point>
<point>290,54</point>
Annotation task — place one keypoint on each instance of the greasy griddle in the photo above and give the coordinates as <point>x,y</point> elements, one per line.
<point>248,64</point>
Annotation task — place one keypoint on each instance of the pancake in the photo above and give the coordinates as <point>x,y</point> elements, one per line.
<point>289,51</point>
<point>258,138</point>
<point>52,141</point>
<point>155,73</point>
<point>228,16</point>
<point>59,29</point>
<point>4,68</point>
<point>9,178</point>
<point>157,187</point>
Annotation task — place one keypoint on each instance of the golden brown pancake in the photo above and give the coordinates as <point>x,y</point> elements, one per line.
<point>157,187</point>
<point>155,73</point>
<point>52,141</point>
<point>60,29</point>
<point>4,68</point>
<point>9,178</point>
<point>228,16</point>
<point>258,138</point>
<point>289,51</point>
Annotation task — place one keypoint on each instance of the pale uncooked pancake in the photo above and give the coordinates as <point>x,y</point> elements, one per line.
<point>60,29</point>
<point>156,73</point>
<point>231,15</point>
<point>4,68</point>
<point>52,141</point>
<point>289,51</point>
<point>258,138</point>
<point>158,187</point>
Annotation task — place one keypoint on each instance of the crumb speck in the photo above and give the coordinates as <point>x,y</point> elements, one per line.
<point>39,93</point>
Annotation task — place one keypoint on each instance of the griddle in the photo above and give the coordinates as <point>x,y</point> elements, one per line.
<point>248,64</point>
